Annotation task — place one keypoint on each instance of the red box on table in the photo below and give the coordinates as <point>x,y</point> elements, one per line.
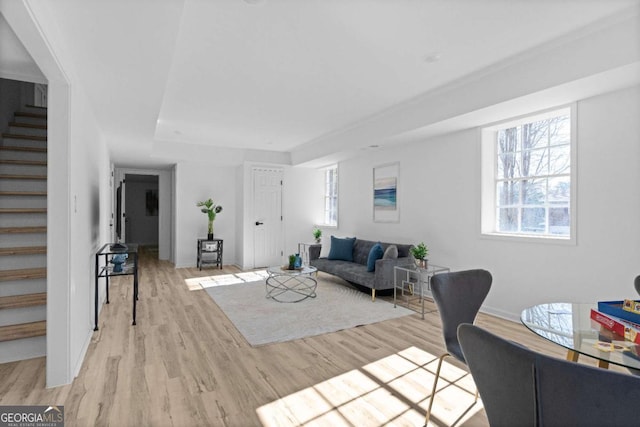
<point>629,330</point>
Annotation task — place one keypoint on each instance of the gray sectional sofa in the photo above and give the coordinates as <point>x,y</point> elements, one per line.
<point>356,271</point>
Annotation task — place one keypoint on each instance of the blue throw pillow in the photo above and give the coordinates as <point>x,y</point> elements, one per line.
<point>341,249</point>
<point>375,254</point>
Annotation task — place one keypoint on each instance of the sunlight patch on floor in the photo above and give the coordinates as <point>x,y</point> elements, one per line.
<point>193,284</point>
<point>199,283</point>
<point>253,276</point>
<point>392,391</point>
<point>222,280</point>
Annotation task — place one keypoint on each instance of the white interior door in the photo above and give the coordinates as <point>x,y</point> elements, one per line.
<point>267,216</point>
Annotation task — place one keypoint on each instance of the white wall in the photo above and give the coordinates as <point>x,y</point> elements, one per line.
<point>197,181</point>
<point>302,205</point>
<point>241,203</point>
<point>165,233</point>
<point>439,204</point>
<point>89,219</point>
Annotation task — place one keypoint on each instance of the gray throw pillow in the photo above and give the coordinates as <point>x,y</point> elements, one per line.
<point>391,252</point>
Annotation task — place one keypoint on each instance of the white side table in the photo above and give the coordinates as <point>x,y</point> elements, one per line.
<point>411,282</point>
<point>306,250</point>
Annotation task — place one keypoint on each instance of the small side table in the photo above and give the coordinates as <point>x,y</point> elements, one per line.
<point>209,252</point>
<point>104,269</point>
<point>414,282</point>
<point>309,251</point>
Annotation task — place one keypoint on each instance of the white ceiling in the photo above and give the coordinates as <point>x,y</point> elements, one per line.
<point>278,75</point>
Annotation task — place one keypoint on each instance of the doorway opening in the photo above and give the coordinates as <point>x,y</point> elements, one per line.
<point>142,210</point>
<point>142,203</point>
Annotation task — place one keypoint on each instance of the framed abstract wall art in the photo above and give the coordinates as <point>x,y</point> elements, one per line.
<point>385,193</point>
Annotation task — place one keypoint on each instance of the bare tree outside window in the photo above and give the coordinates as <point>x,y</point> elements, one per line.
<point>533,177</point>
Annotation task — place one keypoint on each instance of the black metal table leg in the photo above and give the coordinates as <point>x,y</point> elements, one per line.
<point>135,287</point>
<point>96,296</point>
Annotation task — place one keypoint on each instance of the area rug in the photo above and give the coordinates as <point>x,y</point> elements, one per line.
<point>336,307</point>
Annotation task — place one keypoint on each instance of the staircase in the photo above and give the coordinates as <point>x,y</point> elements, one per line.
<point>23,236</point>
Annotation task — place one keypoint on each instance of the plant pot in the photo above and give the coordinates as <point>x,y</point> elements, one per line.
<point>210,236</point>
<point>422,263</point>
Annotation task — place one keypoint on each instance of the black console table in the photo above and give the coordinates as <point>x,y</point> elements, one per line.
<point>105,268</point>
<point>209,252</point>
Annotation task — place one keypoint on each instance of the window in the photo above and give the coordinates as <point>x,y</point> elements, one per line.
<point>527,182</point>
<point>331,196</point>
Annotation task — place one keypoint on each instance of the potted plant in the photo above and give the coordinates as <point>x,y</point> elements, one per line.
<point>317,234</point>
<point>211,209</point>
<point>420,252</point>
<point>292,262</point>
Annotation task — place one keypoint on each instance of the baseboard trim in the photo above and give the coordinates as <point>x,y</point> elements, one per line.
<point>506,315</point>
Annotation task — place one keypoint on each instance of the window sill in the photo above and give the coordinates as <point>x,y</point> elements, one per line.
<point>529,238</point>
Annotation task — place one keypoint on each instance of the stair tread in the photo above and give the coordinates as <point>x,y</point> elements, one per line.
<point>21,230</point>
<point>28,149</point>
<point>23,193</point>
<point>23,136</point>
<point>23,274</point>
<point>15,176</point>
<point>23,330</point>
<point>23,162</point>
<point>31,115</point>
<point>23,250</point>
<point>27,125</point>
<point>22,210</point>
<point>20,301</point>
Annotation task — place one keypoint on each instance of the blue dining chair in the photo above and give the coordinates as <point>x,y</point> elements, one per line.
<point>574,394</point>
<point>521,387</point>
<point>503,374</point>
<point>458,296</point>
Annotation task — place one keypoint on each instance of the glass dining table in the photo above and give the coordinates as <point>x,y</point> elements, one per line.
<point>570,326</point>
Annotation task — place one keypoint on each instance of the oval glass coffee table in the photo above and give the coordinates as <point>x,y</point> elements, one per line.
<point>291,285</point>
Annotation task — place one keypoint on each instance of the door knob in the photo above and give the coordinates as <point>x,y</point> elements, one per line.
<point>259,223</point>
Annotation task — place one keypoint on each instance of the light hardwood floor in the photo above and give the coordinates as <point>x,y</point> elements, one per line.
<point>185,364</point>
